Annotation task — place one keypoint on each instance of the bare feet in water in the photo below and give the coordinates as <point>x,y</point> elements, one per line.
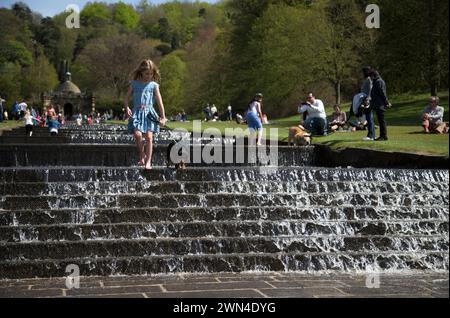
<point>148,166</point>
<point>141,163</point>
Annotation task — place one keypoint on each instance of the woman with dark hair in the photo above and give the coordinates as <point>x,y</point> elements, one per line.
<point>339,119</point>
<point>367,84</point>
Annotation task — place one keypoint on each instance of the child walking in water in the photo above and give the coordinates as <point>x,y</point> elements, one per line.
<point>29,123</point>
<point>143,119</point>
<point>254,116</point>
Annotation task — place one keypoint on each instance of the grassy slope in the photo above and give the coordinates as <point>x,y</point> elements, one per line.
<point>404,129</point>
<point>10,124</point>
<point>403,120</point>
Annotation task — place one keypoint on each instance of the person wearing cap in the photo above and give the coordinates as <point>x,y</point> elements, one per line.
<point>254,116</point>
<point>316,120</point>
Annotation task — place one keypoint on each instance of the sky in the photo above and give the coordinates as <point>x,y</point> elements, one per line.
<point>52,7</point>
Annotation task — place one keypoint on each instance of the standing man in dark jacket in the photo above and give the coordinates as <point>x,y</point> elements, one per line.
<point>380,103</point>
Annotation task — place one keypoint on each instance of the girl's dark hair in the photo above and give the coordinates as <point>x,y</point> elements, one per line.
<point>257,96</point>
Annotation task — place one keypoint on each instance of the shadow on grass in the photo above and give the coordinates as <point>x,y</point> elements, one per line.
<point>330,143</point>
<point>419,133</point>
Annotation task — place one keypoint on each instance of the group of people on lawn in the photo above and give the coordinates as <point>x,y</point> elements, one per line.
<point>372,99</point>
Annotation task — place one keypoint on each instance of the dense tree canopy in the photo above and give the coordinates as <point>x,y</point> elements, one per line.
<point>225,52</point>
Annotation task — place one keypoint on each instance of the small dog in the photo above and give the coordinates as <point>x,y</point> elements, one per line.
<point>178,165</point>
<point>299,136</point>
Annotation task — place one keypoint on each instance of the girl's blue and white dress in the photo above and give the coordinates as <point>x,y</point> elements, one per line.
<point>145,119</point>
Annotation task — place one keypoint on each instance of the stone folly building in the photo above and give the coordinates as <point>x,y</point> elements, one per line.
<point>68,98</point>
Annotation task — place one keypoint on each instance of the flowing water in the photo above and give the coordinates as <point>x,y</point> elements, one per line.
<point>82,201</point>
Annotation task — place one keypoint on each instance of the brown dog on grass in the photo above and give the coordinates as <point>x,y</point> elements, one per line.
<point>299,136</point>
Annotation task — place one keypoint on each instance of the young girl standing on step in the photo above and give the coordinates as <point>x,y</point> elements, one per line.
<point>144,121</point>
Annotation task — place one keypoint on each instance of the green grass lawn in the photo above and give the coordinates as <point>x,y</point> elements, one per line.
<point>405,129</point>
<point>403,119</point>
<point>10,124</point>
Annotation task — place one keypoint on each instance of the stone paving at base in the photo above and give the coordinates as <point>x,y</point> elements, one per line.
<point>267,285</point>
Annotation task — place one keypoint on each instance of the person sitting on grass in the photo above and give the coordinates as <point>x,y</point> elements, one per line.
<point>433,118</point>
<point>339,119</point>
<point>358,124</point>
<point>316,121</point>
<point>240,119</point>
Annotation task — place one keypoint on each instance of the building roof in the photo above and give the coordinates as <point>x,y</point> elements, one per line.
<point>67,86</point>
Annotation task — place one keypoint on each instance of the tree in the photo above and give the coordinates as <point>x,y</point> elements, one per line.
<point>205,70</point>
<point>38,78</point>
<point>96,14</point>
<point>345,38</point>
<point>284,54</point>
<point>413,44</point>
<point>126,16</point>
<point>15,52</point>
<point>66,44</point>
<point>437,10</point>
<point>23,12</point>
<point>173,71</point>
<point>48,35</point>
<point>10,25</point>
<point>10,75</point>
<point>164,30</point>
<point>109,61</point>
<point>245,50</point>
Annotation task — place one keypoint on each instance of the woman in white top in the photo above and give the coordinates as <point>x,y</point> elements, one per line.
<point>29,123</point>
<point>254,116</point>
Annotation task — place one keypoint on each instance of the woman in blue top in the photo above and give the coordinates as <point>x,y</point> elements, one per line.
<point>254,116</point>
<point>143,119</point>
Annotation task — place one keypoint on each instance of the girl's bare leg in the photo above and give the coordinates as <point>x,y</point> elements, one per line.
<point>260,135</point>
<point>140,147</point>
<point>149,150</point>
<point>252,137</point>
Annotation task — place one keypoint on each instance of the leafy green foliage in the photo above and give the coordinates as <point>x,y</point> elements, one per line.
<point>226,52</point>
<point>15,51</point>
<point>126,15</point>
<point>96,14</point>
<point>172,86</point>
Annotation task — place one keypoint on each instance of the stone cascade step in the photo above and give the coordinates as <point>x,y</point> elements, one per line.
<point>194,215</point>
<point>113,221</point>
<point>220,200</point>
<point>90,138</point>
<point>95,134</point>
<point>218,174</point>
<point>228,229</point>
<point>36,155</point>
<point>42,136</point>
<point>79,199</point>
